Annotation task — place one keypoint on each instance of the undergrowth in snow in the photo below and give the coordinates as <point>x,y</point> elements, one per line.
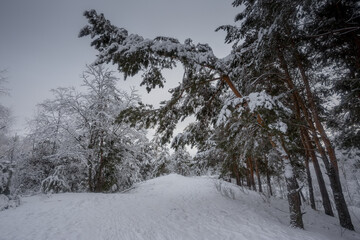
<point>169,207</point>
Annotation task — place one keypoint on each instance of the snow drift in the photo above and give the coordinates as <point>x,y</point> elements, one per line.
<point>169,207</point>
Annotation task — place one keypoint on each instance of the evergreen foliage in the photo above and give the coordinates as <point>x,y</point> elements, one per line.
<point>276,72</point>
<point>334,35</point>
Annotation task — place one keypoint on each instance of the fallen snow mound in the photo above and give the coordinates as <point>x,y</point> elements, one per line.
<point>169,207</point>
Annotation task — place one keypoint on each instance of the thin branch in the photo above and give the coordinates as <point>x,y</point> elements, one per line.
<point>341,31</point>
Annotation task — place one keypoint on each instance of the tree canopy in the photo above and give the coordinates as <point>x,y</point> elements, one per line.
<point>267,91</point>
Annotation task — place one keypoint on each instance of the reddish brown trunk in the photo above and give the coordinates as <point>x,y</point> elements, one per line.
<point>295,211</point>
<point>299,103</point>
<point>315,114</point>
<point>324,193</point>
<point>332,168</point>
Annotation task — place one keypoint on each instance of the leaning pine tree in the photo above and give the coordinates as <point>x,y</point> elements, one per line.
<point>205,79</point>
<point>277,36</point>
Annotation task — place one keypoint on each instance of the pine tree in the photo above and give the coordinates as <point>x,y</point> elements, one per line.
<point>336,27</point>
<point>180,161</point>
<point>205,78</point>
<point>278,27</point>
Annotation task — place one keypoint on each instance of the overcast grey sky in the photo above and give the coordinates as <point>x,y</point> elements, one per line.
<point>40,49</point>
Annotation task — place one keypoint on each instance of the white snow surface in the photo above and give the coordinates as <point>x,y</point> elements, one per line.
<point>169,207</point>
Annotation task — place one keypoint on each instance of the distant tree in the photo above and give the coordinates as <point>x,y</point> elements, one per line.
<point>181,162</point>
<point>87,149</point>
<point>6,142</point>
<point>5,113</point>
<point>161,163</point>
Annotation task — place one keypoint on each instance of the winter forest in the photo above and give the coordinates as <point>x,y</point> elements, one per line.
<point>277,119</point>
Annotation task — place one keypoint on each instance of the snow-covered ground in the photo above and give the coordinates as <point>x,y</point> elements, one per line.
<point>169,207</point>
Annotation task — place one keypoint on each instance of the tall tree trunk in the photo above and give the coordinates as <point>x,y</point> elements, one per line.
<point>321,182</point>
<point>269,183</point>
<point>294,202</point>
<point>268,180</point>
<point>258,174</point>
<point>236,173</point>
<point>293,192</point>
<point>323,191</point>
<point>333,170</point>
<point>309,180</point>
<point>293,199</point>
<point>252,179</point>
<point>248,174</point>
<point>299,103</point>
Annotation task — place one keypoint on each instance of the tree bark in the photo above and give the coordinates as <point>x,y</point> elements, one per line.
<point>258,174</point>
<point>299,104</point>
<point>236,173</point>
<point>268,180</point>
<point>269,183</point>
<point>294,203</point>
<point>292,194</point>
<point>333,170</point>
<point>323,191</point>
<point>309,180</point>
<point>252,179</point>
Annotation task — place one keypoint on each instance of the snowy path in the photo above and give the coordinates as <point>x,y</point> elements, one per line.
<point>170,207</point>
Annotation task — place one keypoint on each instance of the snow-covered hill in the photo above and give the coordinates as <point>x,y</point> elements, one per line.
<point>170,207</point>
